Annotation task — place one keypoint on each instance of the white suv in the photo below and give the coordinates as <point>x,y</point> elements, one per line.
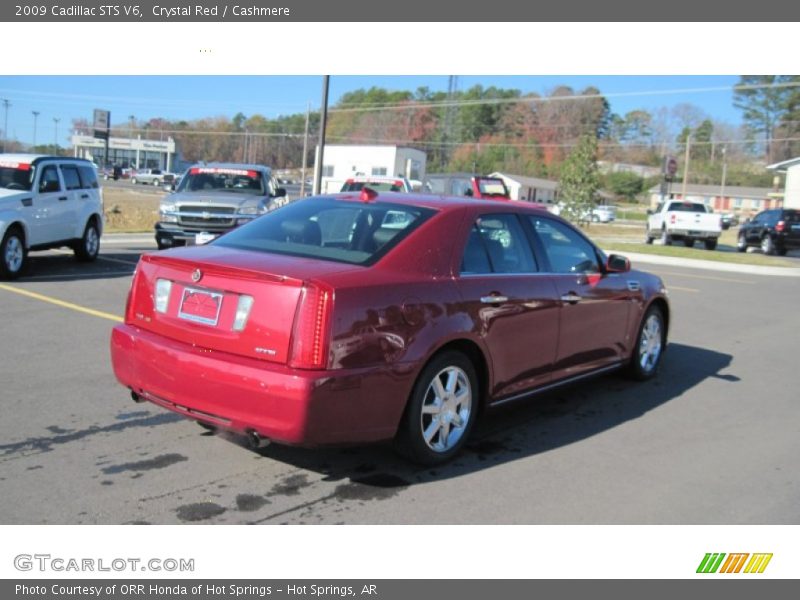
<point>47,202</point>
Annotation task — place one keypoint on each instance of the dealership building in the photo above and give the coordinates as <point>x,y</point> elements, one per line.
<point>126,152</point>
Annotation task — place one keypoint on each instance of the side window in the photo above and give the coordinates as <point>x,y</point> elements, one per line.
<point>567,250</point>
<point>49,180</point>
<point>88,177</point>
<point>71,178</point>
<point>503,245</point>
<point>476,259</point>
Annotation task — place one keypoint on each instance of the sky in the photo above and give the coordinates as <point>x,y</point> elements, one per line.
<point>192,97</point>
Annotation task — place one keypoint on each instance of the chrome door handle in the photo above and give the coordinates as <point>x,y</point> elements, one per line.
<point>493,299</point>
<point>571,298</point>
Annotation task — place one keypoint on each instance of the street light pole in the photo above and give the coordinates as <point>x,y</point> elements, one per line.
<point>35,118</point>
<point>55,139</point>
<point>686,167</point>
<point>6,104</point>
<point>322,125</point>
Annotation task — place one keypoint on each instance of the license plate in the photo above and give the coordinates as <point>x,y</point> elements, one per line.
<point>694,233</point>
<point>200,306</point>
<point>203,238</point>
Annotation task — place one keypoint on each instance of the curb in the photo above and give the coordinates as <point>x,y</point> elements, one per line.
<point>709,265</point>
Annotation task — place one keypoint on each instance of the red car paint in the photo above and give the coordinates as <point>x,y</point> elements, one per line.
<point>373,328</point>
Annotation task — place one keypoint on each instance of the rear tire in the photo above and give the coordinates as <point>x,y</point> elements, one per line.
<point>441,410</point>
<point>781,251</point>
<point>666,239</point>
<point>650,343</point>
<point>711,244</point>
<point>688,242</point>
<point>87,249</point>
<point>13,253</point>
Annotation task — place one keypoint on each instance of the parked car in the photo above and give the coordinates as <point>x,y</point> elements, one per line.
<point>47,202</point>
<point>729,220</point>
<point>474,186</point>
<point>155,177</point>
<point>775,231</point>
<point>379,184</point>
<point>604,213</point>
<point>363,317</point>
<point>687,222</point>
<point>214,198</point>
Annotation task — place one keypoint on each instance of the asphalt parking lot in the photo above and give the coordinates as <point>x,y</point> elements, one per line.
<point>713,439</point>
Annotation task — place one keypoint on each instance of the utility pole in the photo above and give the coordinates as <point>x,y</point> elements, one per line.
<point>6,104</point>
<point>305,154</point>
<point>724,173</point>
<point>322,124</point>
<point>35,118</point>
<point>55,136</point>
<point>686,166</point>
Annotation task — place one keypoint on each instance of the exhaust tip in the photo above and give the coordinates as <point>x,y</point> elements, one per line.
<point>255,441</point>
<point>136,397</point>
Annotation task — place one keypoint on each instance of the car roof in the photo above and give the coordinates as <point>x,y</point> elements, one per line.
<point>28,158</point>
<point>228,165</point>
<point>438,202</point>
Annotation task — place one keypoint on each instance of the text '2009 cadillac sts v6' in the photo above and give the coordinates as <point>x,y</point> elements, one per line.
<point>362,317</point>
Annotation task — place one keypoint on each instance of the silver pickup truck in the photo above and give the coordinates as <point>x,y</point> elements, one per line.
<point>155,177</point>
<point>214,198</point>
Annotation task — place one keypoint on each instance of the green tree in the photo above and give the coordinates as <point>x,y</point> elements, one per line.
<point>624,184</point>
<point>579,180</point>
<point>765,102</point>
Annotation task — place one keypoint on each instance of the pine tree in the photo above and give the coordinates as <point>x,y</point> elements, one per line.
<point>580,181</point>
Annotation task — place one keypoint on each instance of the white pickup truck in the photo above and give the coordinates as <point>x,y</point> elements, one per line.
<point>689,222</point>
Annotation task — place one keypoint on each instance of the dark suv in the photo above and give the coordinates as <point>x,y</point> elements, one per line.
<point>775,231</point>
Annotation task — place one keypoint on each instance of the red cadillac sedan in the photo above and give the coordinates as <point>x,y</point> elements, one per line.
<point>361,317</point>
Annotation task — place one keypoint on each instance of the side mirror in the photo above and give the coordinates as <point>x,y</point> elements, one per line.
<point>617,264</point>
<point>280,192</point>
<point>649,211</point>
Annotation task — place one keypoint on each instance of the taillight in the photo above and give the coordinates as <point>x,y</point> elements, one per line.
<point>672,218</point>
<point>780,227</point>
<point>311,328</point>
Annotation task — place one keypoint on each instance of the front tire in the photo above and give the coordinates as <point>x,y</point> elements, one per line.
<point>688,242</point>
<point>767,245</point>
<point>649,347</point>
<point>441,411</point>
<point>711,244</point>
<point>87,249</point>
<point>13,253</point>
<point>741,243</point>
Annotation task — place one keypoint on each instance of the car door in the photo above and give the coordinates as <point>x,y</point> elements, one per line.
<point>755,228</point>
<point>47,205</point>
<point>595,306</point>
<point>70,208</point>
<point>513,307</point>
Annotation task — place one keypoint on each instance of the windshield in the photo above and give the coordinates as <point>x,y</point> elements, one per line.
<point>221,179</point>
<point>329,229</point>
<point>492,187</point>
<point>16,176</point>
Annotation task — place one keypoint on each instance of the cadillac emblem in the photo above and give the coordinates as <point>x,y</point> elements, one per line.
<point>197,274</point>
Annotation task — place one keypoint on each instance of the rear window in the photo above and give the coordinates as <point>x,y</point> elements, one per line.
<point>492,187</point>
<point>378,186</point>
<point>223,179</point>
<point>791,216</point>
<point>687,207</point>
<point>88,177</point>
<point>16,176</point>
<point>328,229</point>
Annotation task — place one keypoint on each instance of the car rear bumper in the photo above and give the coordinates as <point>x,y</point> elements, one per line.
<point>282,404</point>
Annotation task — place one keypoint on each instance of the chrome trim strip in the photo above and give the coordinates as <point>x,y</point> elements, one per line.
<point>559,383</point>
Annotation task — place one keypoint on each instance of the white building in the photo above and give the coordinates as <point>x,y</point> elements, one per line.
<point>126,152</point>
<point>791,193</point>
<point>344,161</point>
<point>529,189</point>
